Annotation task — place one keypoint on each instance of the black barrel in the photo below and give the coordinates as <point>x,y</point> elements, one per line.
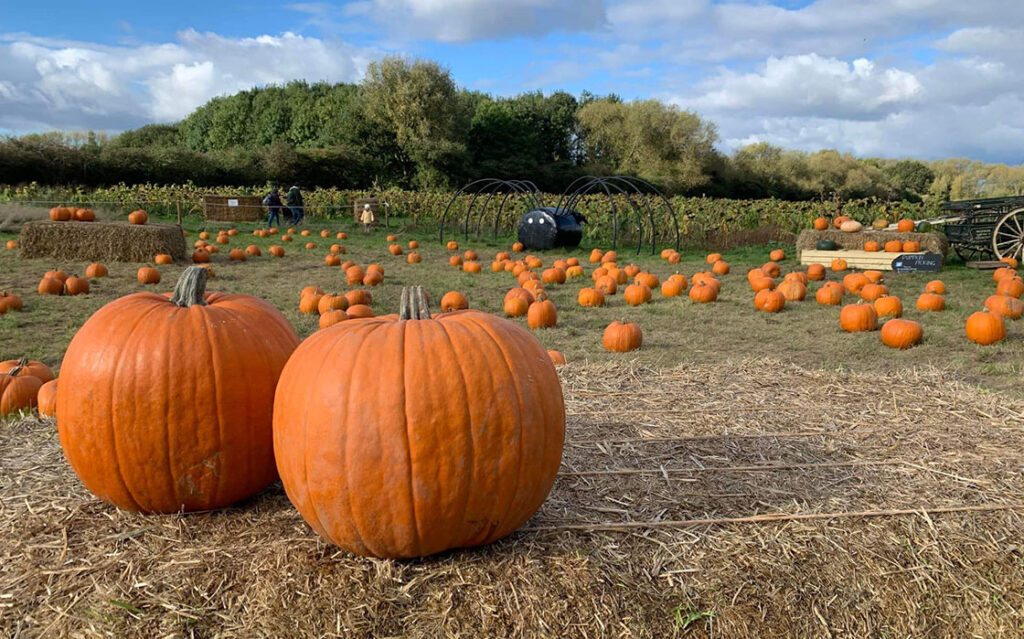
<point>548,227</point>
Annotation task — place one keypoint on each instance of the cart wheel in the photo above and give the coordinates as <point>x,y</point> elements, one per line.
<point>969,253</point>
<point>1008,236</point>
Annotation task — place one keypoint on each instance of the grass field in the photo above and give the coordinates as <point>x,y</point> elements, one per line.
<point>726,413</point>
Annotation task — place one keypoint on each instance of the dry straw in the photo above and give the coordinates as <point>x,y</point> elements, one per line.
<point>890,510</point>
<point>101,241</point>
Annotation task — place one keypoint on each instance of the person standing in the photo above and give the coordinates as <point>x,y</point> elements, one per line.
<point>366,218</point>
<point>294,201</point>
<point>273,203</point>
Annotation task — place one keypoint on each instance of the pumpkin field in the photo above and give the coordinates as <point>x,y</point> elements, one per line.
<point>751,447</point>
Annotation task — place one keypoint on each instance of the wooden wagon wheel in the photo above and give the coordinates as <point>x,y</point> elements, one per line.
<point>970,253</point>
<point>1008,235</point>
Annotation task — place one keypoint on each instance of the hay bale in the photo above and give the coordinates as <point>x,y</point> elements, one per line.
<point>931,242</point>
<point>233,208</point>
<point>101,241</point>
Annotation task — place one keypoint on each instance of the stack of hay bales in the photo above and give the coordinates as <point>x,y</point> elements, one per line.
<point>930,242</point>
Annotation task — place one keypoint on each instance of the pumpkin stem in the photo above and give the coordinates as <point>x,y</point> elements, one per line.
<point>191,287</point>
<point>414,304</point>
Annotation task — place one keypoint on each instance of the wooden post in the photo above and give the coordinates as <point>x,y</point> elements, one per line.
<point>177,205</point>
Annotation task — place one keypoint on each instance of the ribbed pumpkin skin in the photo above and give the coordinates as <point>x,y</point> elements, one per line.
<point>162,408</point>
<point>449,435</point>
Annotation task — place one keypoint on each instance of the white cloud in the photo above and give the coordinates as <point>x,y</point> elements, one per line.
<point>469,20</point>
<point>808,85</point>
<point>78,85</point>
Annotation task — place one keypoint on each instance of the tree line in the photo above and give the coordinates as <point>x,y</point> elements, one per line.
<point>408,125</point>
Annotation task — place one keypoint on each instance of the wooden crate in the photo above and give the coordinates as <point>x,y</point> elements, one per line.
<point>877,260</point>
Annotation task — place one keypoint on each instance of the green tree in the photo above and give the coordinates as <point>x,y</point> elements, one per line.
<point>428,116</point>
<point>651,140</point>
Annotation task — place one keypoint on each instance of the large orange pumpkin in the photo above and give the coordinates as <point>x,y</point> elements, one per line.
<point>188,426</point>
<point>450,436</point>
<point>858,317</point>
<point>985,328</point>
<point>901,333</point>
<point>622,337</point>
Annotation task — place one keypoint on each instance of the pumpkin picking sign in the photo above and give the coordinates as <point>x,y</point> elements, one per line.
<point>917,263</point>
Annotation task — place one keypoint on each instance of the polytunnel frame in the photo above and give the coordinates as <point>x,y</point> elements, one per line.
<point>622,185</point>
<point>524,190</point>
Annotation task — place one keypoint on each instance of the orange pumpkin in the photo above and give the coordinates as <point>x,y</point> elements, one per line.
<point>140,217</point>
<point>703,293</point>
<point>769,301</point>
<point>894,246</point>
<point>838,221</point>
<point>18,391</point>
<point>148,275</point>
<point>720,267</point>
<point>46,399</point>
<point>637,294</point>
<point>95,270</point>
<point>276,251</point>
<point>888,306</point>
<point>541,314</point>
<point>829,295</point>
<point>253,251</point>
<point>931,302</point>
<point>1008,307</point>
<point>413,258</point>
<point>905,226</point>
<point>139,444</point>
<point>911,247</point>
<point>985,328</point>
<point>461,483</point>
<point>793,290</point>
<point>9,302</point>
<point>901,333</point>
<point>858,317</point>
<point>1012,286</point>
<point>28,367</point>
<point>872,246</point>
<point>820,224</point>
<point>590,297</point>
<point>777,255</point>
<point>935,286</point>
<point>839,265</point>
<point>454,301</point>
<point>671,288</point>
<point>557,358</point>
<point>816,272</point>
<point>50,286</point>
<point>874,277</point>
<point>76,286</point>
<point>622,337</point>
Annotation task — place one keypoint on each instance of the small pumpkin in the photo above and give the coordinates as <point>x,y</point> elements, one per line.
<point>713,257</point>
<point>46,399</point>
<point>839,221</point>
<point>9,302</point>
<point>359,297</point>
<point>826,245</point>
<point>18,391</point>
<point>28,366</point>
<point>148,275</point>
<point>163,258</point>
<point>140,217</point>
<point>931,302</point>
<point>622,337</point>
<point>237,255</point>
<point>331,302</point>
<point>50,286</point>
<point>590,297</point>
<point>721,267</point>
<point>1012,286</point>
<point>839,265</point>
<point>854,282</point>
<point>851,226</point>
<point>829,295</point>
<point>880,224</point>
<point>905,226</point>
<point>1002,272</point>
<point>901,334</point>
<point>1008,307</point>
<point>276,251</point>
<point>637,294</point>
<point>76,286</point>
<point>875,277</point>
<point>985,328</point>
<point>703,293</point>
<point>777,255</point>
<point>820,224</point>
<point>872,246</point>
<point>888,306</point>
<point>330,318</point>
<point>671,288</point>
<point>935,286</point>
<point>816,272</point>
<point>793,290</point>
<point>858,317</point>
<point>557,358</point>
<point>96,270</point>
<point>454,301</point>
<point>200,256</point>
<point>911,246</point>
<point>894,246</point>
<point>769,301</point>
<point>413,258</point>
<point>541,314</point>
<point>354,275</point>
<point>452,245</point>
<point>871,291</point>
<point>309,304</point>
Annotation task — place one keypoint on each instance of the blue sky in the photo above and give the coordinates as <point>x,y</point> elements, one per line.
<point>891,78</point>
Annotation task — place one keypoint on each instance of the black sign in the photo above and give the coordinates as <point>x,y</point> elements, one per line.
<point>917,262</point>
